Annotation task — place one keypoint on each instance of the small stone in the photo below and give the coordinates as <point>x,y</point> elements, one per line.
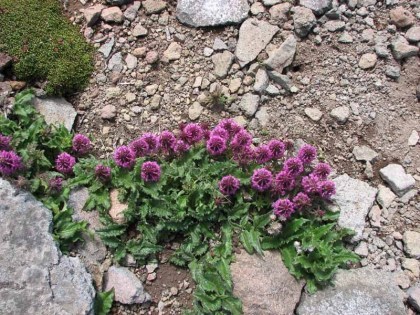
<point>411,241</point>
<point>280,13</point>
<point>5,61</point>
<point>219,45</point>
<point>364,153</point>
<point>107,47</point>
<point>385,196</point>
<point>401,49</point>
<point>131,61</point>
<point>195,111</point>
<point>92,14</point>
<point>412,265</point>
<point>282,57</point>
<point>235,85</point>
<point>17,85</point>
<point>341,114</point>
<point>152,57</point>
<point>272,90</point>
<point>154,6</point>
<point>362,249</point>
<point>414,138</point>
<point>401,17</point>
<point>257,8</point>
<point>130,97</point>
<point>393,72</point>
<point>413,34</point>
<point>345,38</point>
<point>395,176</point>
<point>139,52</point>
<point>222,63</point>
<point>375,216</point>
<point>112,92</point>
<point>173,52</point>
<point>151,277</point>
<point>313,113</point>
<point>155,102</point>
<point>117,209</point>
<point>115,63</point>
<point>131,12</point>
<point>261,81</point>
<point>151,267</point>
<point>304,20</point>
<point>112,14</point>
<point>319,7</point>
<point>249,104</point>
<point>282,79</point>
<point>335,26</point>
<point>174,291</point>
<point>414,297</point>
<point>151,89</point>
<point>139,30</point>
<point>367,61</point>
<point>263,117</point>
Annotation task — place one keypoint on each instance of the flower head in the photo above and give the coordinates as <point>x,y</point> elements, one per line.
<point>326,189</point>
<point>5,143</point>
<point>216,145</point>
<point>310,184</point>
<point>230,125</point>
<point>10,163</point>
<point>307,154</point>
<point>241,139</point>
<point>284,182</point>
<point>150,172</point>
<point>81,144</point>
<point>294,166</point>
<point>64,163</point>
<point>244,155</point>
<point>301,200</point>
<point>140,147</point>
<point>124,157</point>
<point>56,185</point>
<point>277,148</point>
<point>103,173</point>
<point>167,141</point>
<point>220,132</point>
<point>322,170</point>
<point>153,142</point>
<point>261,179</point>
<point>181,146</point>
<point>229,185</point>
<point>192,133</point>
<point>283,208</point>
<point>262,154</point>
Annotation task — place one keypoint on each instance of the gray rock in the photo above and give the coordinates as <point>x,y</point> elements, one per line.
<point>359,291</point>
<point>413,139</point>
<point>36,278</point>
<point>261,81</point>
<point>401,17</point>
<point>173,52</point>
<point>364,153</point>
<point>200,13</point>
<point>107,47</point>
<point>154,6</point>
<point>269,277</point>
<point>272,90</point>
<point>283,80</point>
<point>118,2</point>
<point>395,176</point>
<point>414,297</point>
<point>257,8</point>
<point>112,14</point>
<point>128,288</point>
<point>282,57</point>
<point>131,12</point>
<point>5,61</point>
<point>155,102</point>
<point>131,61</point>
<point>413,34</point>
<point>249,104</point>
<point>411,241</point>
<point>385,196</point>
<point>92,14</point>
<point>381,49</point>
<point>263,117</point>
<point>116,62</point>
<point>222,63</point>
<point>56,110</point>
<point>195,111</point>
<point>254,35</point>
<point>362,249</point>
<point>367,61</point>
<point>335,26</point>
<point>280,13</point>
<point>269,3</point>
<point>219,45</point>
<point>411,264</point>
<point>401,49</point>
<point>313,113</point>
<point>353,199</point>
<point>304,20</point>
<point>340,114</point>
<point>77,201</point>
<point>139,30</point>
<point>319,7</point>
<point>108,112</point>
<point>392,72</point>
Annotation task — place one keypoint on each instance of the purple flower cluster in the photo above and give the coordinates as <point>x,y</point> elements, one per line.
<point>56,185</point>
<point>140,147</point>
<point>192,133</point>
<point>216,145</point>
<point>10,163</point>
<point>81,144</point>
<point>150,172</point>
<point>124,157</point>
<point>167,142</point>
<point>103,173</point>
<point>229,185</point>
<point>261,179</point>
<point>64,163</point>
<point>5,143</point>
<point>283,208</point>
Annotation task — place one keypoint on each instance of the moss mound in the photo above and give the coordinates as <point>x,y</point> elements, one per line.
<point>45,44</point>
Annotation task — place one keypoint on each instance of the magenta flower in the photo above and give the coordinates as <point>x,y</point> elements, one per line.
<point>81,144</point>
<point>56,185</point>
<point>216,145</point>
<point>244,155</point>
<point>10,163</point>
<point>103,173</point>
<point>152,141</point>
<point>150,172</point>
<point>261,179</point>
<point>5,143</point>
<point>124,157</point>
<point>262,154</point>
<point>310,184</point>
<point>322,170</point>
<point>229,185</point>
<point>277,148</point>
<point>307,154</point>
<point>294,166</point>
<point>326,189</point>
<point>230,125</point>
<point>192,133</point>
<point>64,163</point>
<point>220,132</point>
<point>167,141</point>
<point>283,182</point>
<point>140,147</point>
<point>283,208</point>
<point>181,146</point>
<point>301,200</point>
<point>241,139</point>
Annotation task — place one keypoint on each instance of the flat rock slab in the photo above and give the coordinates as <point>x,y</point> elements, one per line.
<point>397,178</point>
<point>35,277</point>
<point>201,13</point>
<point>353,199</point>
<point>355,292</point>
<point>264,284</point>
<point>56,111</point>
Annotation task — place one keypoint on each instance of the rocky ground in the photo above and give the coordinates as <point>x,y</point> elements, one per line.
<point>342,75</point>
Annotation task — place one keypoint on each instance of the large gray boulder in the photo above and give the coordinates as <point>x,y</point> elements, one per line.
<point>56,111</point>
<point>35,277</point>
<point>360,291</point>
<point>201,13</point>
<point>264,284</point>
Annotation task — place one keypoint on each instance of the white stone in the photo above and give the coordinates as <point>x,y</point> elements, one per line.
<point>396,177</point>
<point>249,104</point>
<point>313,113</point>
<point>414,138</point>
<point>195,111</point>
<point>364,153</point>
<point>385,196</point>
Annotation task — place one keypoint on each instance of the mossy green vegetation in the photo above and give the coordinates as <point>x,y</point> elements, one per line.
<point>45,44</point>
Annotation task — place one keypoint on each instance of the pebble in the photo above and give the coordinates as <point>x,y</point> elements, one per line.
<point>340,114</point>
<point>367,61</point>
<point>414,138</point>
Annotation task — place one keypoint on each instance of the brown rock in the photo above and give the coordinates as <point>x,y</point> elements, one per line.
<point>401,17</point>
<point>17,85</point>
<point>152,57</point>
<point>108,112</point>
<point>112,14</point>
<point>139,52</point>
<point>264,284</point>
<point>5,61</point>
<point>367,61</point>
<point>117,208</point>
<point>92,14</point>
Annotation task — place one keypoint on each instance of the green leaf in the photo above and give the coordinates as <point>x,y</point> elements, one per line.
<point>103,302</point>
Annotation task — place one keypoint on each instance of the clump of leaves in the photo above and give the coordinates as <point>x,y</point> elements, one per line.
<point>217,99</point>
<point>103,302</point>
<point>46,45</point>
